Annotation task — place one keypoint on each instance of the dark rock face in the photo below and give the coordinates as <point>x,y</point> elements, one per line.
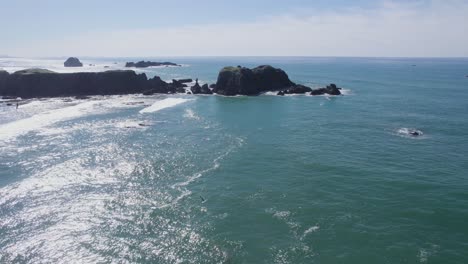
<point>196,89</point>
<point>3,79</point>
<point>156,85</point>
<point>146,64</point>
<point>43,83</point>
<point>178,84</point>
<point>236,80</point>
<point>330,89</point>
<point>298,89</point>
<point>213,86</point>
<point>271,79</point>
<point>73,62</point>
<point>245,81</point>
<point>205,89</point>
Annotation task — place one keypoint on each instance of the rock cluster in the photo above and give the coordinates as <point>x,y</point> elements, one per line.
<point>204,89</point>
<point>231,81</point>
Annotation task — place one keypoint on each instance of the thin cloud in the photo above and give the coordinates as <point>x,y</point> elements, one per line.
<point>418,29</point>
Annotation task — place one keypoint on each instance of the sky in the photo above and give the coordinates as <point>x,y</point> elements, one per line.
<point>152,28</point>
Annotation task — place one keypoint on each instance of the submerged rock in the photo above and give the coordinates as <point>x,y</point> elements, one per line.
<point>73,62</point>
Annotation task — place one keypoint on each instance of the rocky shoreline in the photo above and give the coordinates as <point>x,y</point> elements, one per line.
<point>32,83</point>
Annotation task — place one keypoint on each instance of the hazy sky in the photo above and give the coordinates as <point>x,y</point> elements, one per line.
<point>147,28</point>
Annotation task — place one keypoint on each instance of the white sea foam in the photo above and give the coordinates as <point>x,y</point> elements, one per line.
<point>310,231</point>
<point>23,126</point>
<point>162,104</point>
<point>42,114</point>
<point>133,124</point>
<point>190,114</point>
<point>275,93</point>
<point>408,133</point>
<point>181,186</point>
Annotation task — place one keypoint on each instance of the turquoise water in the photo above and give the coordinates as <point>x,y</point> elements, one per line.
<point>267,179</point>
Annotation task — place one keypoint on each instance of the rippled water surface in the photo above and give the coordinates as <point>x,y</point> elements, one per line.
<point>267,179</point>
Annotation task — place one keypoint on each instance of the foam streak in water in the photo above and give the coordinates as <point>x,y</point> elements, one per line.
<point>23,126</point>
<point>166,103</point>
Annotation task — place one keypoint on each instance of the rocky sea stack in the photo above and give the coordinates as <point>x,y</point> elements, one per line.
<point>146,64</point>
<point>244,81</point>
<point>73,62</point>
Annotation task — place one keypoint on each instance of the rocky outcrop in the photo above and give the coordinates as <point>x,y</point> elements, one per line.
<point>204,89</point>
<point>146,64</point>
<point>245,81</point>
<point>298,89</point>
<point>156,85</point>
<point>44,83</point>
<point>73,62</point>
<point>331,89</point>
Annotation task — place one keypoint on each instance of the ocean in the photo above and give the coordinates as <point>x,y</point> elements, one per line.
<point>265,179</point>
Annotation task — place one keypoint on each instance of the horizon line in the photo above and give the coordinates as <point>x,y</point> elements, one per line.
<point>235,56</point>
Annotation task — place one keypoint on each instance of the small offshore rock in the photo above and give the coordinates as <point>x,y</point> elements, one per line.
<point>331,89</point>
<point>146,64</point>
<point>73,62</point>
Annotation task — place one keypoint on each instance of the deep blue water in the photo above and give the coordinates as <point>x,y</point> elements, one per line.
<point>267,179</point>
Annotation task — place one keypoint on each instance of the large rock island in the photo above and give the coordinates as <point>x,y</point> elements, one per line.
<point>244,81</point>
